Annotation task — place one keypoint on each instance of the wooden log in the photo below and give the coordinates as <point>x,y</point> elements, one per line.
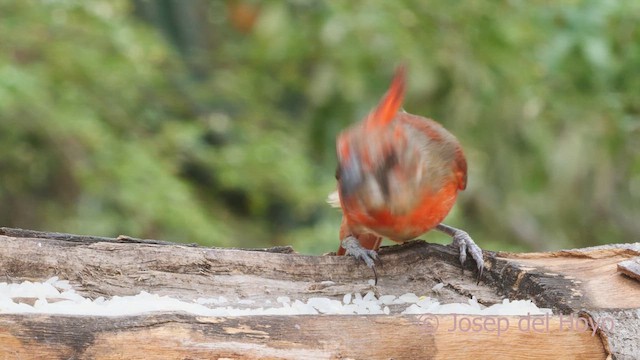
<point>178,336</point>
<point>186,272</point>
<point>570,282</point>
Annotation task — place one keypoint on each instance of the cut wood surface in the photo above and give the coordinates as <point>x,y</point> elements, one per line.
<point>179,336</point>
<point>569,282</point>
<point>592,277</point>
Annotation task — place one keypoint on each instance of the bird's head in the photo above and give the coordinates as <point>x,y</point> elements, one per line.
<point>364,150</point>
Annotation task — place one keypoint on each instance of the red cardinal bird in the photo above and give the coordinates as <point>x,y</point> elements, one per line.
<point>398,177</point>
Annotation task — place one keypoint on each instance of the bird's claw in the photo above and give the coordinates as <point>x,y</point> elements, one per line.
<point>465,244</point>
<point>370,257</point>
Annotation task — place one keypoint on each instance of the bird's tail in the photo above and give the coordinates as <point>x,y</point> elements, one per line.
<point>334,199</point>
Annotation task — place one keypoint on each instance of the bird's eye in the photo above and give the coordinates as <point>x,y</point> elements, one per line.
<point>338,172</point>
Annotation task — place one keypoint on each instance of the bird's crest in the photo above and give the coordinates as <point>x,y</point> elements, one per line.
<point>391,103</point>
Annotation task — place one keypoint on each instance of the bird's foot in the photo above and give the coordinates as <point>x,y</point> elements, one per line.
<point>464,243</point>
<point>353,247</point>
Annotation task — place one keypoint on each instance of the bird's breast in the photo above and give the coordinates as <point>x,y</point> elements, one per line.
<point>430,210</point>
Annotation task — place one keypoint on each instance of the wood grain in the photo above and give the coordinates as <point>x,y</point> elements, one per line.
<point>177,336</point>
<point>584,281</point>
<point>591,278</point>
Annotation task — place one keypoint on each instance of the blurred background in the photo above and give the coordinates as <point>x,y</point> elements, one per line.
<point>215,121</point>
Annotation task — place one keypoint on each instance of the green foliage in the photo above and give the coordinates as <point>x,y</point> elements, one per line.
<point>222,131</point>
<point>86,109</point>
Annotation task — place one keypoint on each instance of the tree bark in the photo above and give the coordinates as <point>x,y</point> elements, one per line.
<point>584,282</point>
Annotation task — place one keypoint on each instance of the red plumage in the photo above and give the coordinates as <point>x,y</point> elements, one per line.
<point>398,174</point>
